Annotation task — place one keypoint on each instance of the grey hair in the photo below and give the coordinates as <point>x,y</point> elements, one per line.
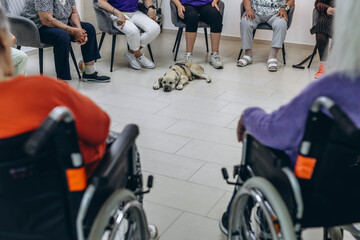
<point>345,52</point>
<point>3,20</point>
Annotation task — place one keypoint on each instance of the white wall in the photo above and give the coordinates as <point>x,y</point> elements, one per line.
<point>79,6</point>
<point>298,33</point>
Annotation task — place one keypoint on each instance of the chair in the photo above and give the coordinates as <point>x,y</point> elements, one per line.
<point>105,25</point>
<point>321,192</point>
<point>316,15</point>
<point>178,22</point>
<point>44,193</point>
<point>265,26</point>
<point>27,33</point>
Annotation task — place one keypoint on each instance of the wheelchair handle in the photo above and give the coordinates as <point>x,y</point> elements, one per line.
<point>41,135</point>
<point>338,114</point>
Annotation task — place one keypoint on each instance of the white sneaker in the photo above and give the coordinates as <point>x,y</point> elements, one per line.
<point>132,60</point>
<point>145,62</point>
<point>188,57</point>
<point>154,232</point>
<point>215,60</point>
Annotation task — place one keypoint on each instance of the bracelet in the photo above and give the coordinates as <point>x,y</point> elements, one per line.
<point>113,11</point>
<point>152,6</point>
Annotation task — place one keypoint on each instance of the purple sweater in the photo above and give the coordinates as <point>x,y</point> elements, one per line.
<point>125,5</point>
<point>284,128</point>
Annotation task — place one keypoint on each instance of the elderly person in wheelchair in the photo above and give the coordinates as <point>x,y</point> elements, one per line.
<point>64,178</point>
<point>300,165</point>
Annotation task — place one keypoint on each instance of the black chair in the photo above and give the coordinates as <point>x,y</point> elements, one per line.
<point>44,193</point>
<point>321,192</point>
<point>265,26</point>
<point>178,22</point>
<point>106,26</point>
<point>316,15</point>
<point>27,33</point>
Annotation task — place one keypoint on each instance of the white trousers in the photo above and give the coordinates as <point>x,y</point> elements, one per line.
<point>19,60</point>
<point>136,20</point>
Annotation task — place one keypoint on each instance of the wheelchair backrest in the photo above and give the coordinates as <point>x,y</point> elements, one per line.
<point>40,192</point>
<point>330,192</point>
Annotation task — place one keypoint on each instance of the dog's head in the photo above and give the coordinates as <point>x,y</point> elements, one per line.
<point>169,82</point>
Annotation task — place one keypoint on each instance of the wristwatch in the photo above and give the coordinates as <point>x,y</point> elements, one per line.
<point>286,7</point>
<point>152,6</point>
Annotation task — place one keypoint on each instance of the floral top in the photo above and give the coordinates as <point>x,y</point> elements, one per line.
<point>267,7</point>
<point>61,9</point>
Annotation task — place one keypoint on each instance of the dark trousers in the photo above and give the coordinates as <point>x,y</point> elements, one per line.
<point>206,13</point>
<point>61,41</point>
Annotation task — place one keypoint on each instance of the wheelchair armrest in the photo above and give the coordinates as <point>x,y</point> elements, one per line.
<point>114,168</point>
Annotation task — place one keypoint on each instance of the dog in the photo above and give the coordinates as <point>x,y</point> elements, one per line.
<point>179,75</point>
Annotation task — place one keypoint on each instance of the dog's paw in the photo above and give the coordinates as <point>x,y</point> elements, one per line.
<point>179,87</point>
<point>208,80</point>
<point>156,87</point>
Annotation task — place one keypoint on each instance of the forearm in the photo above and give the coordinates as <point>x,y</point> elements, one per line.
<point>48,20</point>
<point>75,18</point>
<point>247,5</point>
<point>290,3</point>
<point>148,3</point>
<point>107,7</point>
<point>321,7</point>
<point>177,3</point>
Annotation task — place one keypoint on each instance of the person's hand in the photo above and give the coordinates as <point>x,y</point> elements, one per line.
<point>282,14</point>
<point>330,11</point>
<point>240,130</point>
<point>121,19</point>
<point>215,5</point>
<point>151,13</point>
<point>13,40</point>
<point>181,11</point>
<point>79,35</point>
<point>249,14</point>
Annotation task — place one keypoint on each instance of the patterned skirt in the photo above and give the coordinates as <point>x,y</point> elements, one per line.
<point>323,25</point>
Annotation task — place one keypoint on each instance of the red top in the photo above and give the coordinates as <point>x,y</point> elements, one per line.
<point>27,101</point>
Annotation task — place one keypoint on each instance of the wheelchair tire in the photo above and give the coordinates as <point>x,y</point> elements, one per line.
<point>265,196</point>
<point>117,200</point>
<point>335,233</point>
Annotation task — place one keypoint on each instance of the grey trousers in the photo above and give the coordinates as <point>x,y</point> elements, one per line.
<point>19,59</point>
<point>247,27</point>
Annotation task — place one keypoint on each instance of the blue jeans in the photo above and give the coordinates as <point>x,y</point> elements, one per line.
<point>61,41</point>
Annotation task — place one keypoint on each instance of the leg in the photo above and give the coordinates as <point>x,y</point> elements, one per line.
<point>191,20</point>
<point>178,44</point>
<point>312,56</point>
<point>150,27</point>
<point>19,60</point>
<point>178,37</point>
<point>75,63</point>
<point>150,52</point>
<point>101,40</point>
<point>279,26</point>
<point>247,28</point>
<point>112,52</point>
<point>90,50</point>
<point>206,39</point>
<point>322,42</point>
<point>198,71</point>
<point>183,81</point>
<point>61,41</point>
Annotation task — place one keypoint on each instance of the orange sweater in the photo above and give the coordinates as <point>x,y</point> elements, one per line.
<point>26,102</point>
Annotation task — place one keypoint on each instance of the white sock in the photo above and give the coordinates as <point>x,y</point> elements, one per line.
<point>215,53</point>
<point>188,53</point>
<point>89,69</point>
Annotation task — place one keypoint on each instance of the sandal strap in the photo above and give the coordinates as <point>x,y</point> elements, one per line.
<point>272,65</point>
<point>272,60</point>
<point>245,60</point>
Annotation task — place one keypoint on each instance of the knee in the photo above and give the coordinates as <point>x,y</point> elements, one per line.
<point>132,31</point>
<point>281,25</point>
<point>63,38</point>
<point>155,30</point>
<point>246,24</point>
<point>216,23</point>
<point>89,28</point>
<point>192,18</point>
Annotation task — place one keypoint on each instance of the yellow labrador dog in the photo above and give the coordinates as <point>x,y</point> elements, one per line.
<point>179,75</point>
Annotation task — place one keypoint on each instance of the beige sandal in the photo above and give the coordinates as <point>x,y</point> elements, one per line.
<point>272,65</point>
<point>244,61</point>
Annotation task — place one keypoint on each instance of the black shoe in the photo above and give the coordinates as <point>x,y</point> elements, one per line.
<point>224,223</point>
<point>95,78</point>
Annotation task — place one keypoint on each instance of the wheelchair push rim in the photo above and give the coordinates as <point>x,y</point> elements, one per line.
<point>258,212</point>
<point>121,213</point>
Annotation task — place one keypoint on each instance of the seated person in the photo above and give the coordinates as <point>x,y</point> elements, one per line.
<point>24,110</point>
<point>127,18</point>
<point>323,30</point>
<point>283,129</point>
<point>273,13</point>
<point>59,24</point>
<point>208,11</point>
<point>18,57</point>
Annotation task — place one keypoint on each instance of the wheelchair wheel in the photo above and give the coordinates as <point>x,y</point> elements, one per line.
<point>121,217</point>
<point>335,233</point>
<point>259,212</point>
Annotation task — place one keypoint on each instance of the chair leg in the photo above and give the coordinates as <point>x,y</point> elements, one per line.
<point>206,40</point>
<point>113,52</point>
<point>176,40</point>
<point>75,63</point>
<point>18,47</point>
<point>312,56</point>
<point>178,44</point>
<point>101,40</point>
<point>150,52</point>
<point>240,54</point>
<point>284,53</point>
<point>41,60</point>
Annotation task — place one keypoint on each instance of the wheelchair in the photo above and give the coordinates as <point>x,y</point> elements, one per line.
<point>44,192</point>
<point>273,202</point>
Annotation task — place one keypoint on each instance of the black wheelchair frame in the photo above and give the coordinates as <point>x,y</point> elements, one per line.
<point>326,198</point>
<point>44,193</point>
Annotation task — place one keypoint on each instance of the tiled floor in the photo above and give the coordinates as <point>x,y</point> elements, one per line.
<point>187,136</point>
